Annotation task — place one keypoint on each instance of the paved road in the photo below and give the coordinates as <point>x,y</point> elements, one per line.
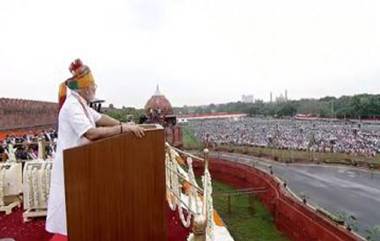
<point>335,188</point>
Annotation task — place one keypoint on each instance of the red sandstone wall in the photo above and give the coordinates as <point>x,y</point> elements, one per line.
<point>174,136</point>
<point>292,217</point>
<point>25,114</point>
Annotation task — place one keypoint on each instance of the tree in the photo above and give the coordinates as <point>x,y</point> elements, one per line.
<point>373,234</point>
<point>287,110</point>
<point>358,106</point>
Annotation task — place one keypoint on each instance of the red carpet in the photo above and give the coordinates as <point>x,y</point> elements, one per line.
<point>12,226</point>
<point>59,237</point>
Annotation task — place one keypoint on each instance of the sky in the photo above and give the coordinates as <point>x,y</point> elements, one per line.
<point>198,51</point>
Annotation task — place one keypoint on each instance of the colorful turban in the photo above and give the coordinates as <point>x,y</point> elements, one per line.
<point>82,78</point>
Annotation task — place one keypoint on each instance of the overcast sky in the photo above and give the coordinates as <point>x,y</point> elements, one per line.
<point>198,51</point>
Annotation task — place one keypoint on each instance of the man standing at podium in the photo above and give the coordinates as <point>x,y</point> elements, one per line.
<point>77,124</point>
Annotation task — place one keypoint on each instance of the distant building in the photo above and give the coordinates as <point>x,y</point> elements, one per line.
<point>247,98</point>
<point>280,99</point>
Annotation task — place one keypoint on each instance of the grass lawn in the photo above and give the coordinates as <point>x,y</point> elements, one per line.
<point>300,156</point>
<point>189,140</point>
<point>245,223</point>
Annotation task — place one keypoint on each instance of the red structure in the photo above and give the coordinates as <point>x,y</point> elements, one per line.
<point>158,104</point>
<point>292,217</point>
<point>159,110</point>
<point>16,114</point>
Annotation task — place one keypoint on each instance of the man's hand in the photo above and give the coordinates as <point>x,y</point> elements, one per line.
<point>138,131</point>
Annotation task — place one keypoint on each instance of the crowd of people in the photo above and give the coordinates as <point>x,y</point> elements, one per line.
<point>26,146</point>
<point>321,136</point>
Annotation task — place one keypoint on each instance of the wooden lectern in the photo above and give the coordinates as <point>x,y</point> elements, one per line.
<point>115,188</point>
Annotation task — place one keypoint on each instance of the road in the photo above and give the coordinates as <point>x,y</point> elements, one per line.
<point>338,189</point>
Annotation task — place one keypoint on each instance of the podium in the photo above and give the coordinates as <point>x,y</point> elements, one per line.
<point>115,188</point>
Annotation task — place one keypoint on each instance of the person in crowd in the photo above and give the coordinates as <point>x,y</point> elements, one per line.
<point>318,136</point>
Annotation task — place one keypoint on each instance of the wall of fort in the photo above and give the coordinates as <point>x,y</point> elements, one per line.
<point>18,114</point>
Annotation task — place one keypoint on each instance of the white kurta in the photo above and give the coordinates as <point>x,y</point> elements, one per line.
<point>73,123</point>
